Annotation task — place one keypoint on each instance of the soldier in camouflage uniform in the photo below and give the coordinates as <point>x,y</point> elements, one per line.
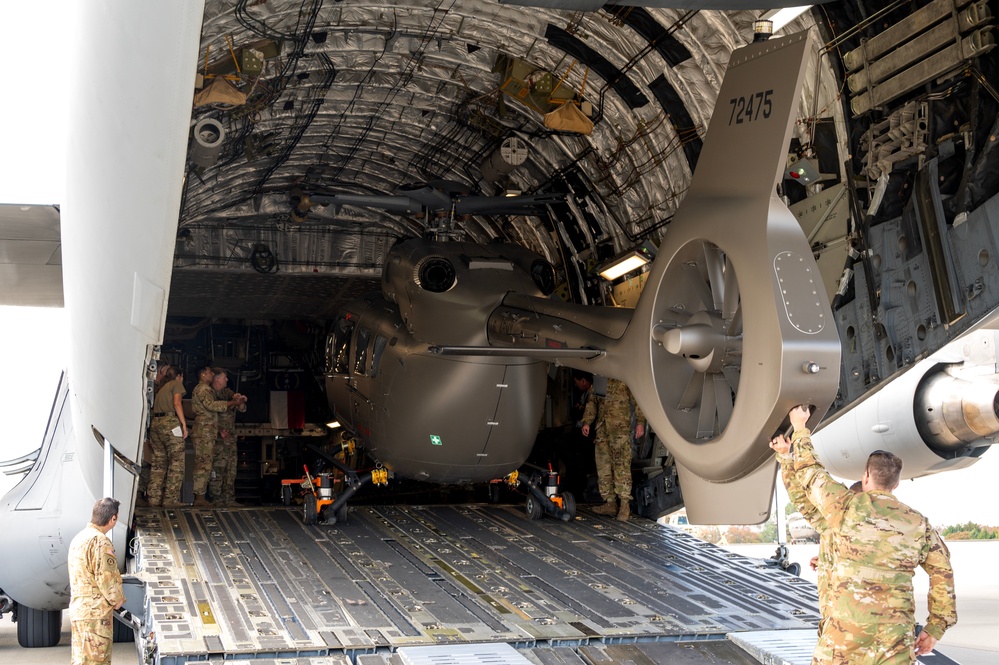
<point>95,586</point>
<point>879,542</point>
<point>223,482</point>
<point>612,445</point>
<point>147,454</point>
<point>206,409</point>
<point>166,474</point>
<point>822,563</point>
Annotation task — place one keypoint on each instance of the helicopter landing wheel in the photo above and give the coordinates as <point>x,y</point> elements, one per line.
<point>310,514</point>
<point>533,508</point>
<point>569,505</point>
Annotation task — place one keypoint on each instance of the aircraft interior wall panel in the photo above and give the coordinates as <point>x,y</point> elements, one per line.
<point>254,582</point>
<point>975,248</point>
<point>908,315</point>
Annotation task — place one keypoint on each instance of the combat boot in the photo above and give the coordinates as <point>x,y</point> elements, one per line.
<point>201,502</point>
<point>173,504</point>
<point>625,512</point>
<point>141,502</point>
<point>608,508</point>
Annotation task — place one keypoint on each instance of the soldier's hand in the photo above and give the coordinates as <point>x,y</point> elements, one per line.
<point>924,643</point>
<point>780,444</point>
<point>799,416</point>
<point>224,433</point>
<point>639,430</point>
<point>813,563</point>
<point>586,430</point>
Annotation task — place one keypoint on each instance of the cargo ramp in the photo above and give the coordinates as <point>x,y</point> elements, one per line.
<point>413,584</point>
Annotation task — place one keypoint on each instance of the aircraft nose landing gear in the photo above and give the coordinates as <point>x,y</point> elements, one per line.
<point>543,496</point>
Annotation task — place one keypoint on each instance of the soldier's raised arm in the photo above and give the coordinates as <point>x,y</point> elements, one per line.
<point>827,496</point>
<point>797,494</point>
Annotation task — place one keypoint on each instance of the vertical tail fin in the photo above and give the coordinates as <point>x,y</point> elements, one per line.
<point>734,309</point>
<point>745,148</point>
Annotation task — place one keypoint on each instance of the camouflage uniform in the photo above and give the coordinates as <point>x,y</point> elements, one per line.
<point>166,473</point>
<point>879,542</point>
<point>223,482</point>
<point>796,493</point>
<point>612,445</point>
<point>206,426</point>
<point>95,590</point>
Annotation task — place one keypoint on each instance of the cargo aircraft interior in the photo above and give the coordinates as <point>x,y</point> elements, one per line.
<point>403,229</point>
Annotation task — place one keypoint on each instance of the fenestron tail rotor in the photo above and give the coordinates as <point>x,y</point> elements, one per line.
<point>703,283</point>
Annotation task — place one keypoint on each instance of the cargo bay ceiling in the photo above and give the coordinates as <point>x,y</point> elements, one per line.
<point>322,99</point>
<point>302,107</point>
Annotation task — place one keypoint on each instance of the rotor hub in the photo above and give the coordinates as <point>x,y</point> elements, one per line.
<point>702,342</point>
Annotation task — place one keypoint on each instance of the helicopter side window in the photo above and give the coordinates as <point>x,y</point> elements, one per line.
<point>328,368</point>
<point>342,330</point>
<point>361,351</point>
<point>376,354</point>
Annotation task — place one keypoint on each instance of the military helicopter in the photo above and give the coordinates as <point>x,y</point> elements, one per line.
<point>441,374</point>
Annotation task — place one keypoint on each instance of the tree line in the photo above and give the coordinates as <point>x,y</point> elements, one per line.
<point>970,531</point>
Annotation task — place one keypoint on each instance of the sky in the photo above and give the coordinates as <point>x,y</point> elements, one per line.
<point>33,341</point>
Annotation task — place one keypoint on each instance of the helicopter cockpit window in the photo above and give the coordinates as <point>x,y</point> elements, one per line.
<point>361,351</point>
<point>330,355</point>
<point>340,360</point>
<point>376,354</point>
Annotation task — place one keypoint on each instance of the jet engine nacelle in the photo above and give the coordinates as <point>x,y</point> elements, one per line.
<point>931,418</point>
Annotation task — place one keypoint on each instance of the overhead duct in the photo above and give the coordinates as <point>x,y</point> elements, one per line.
<point>926,45</point>
<point>901,32</point>
<point>207,145</point>
<point>511,154</point>
<point>916,49</point>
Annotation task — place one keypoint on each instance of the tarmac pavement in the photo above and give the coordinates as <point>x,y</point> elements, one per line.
<point>122,653</point>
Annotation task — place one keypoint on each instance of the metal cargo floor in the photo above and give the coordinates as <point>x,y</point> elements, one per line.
<point>256,582</point>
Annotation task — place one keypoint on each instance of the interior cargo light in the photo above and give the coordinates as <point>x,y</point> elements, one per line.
<point>784,15</point>
<point>333,424</point>
<point>627,262</point>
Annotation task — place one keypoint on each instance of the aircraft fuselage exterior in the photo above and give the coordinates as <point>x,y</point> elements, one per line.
<point>445,419</point>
